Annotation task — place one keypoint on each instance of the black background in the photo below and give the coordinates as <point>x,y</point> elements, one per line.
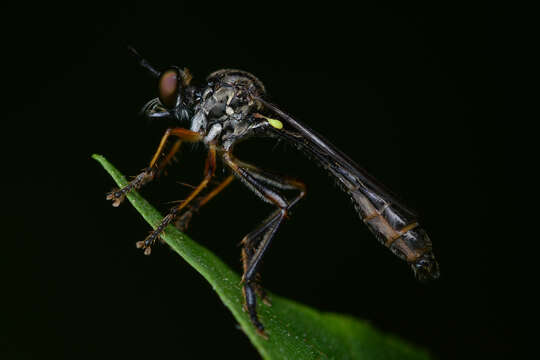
<point>405,91</point>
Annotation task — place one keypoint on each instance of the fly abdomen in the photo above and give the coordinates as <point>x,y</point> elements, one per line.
<point>395,227</point>
<point>412,244</point>
<point>398,229</point>
<point>393,224</point>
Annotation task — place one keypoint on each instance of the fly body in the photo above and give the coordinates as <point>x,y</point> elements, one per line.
<point>231,106</point>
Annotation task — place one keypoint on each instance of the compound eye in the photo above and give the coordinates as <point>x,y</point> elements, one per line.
<point>168,88</point>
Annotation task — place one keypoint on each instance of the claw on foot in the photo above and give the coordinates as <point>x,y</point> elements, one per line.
<point>262,333</point>
<point>116,195</point>
<point>146,244</point>
<point>151,239</point>
<point>266,301</point>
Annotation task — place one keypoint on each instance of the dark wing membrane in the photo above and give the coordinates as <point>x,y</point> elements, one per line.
<point>392,223</point>
<point>351,176</point>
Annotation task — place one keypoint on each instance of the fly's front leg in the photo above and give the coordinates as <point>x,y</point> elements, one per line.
<point>209,170</point>
<point>169,157</point>
<point>148,174</point>
<point>182,221</point>
<point>256,243</point>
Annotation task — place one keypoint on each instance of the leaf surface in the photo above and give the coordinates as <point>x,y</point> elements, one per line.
<point>295,331</point>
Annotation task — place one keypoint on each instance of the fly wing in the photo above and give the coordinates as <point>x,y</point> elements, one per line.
<point>351,177</point>
<point>392,223</point>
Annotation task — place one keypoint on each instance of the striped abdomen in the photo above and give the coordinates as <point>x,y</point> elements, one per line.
<point>392,224</point>
<point>394,227</point>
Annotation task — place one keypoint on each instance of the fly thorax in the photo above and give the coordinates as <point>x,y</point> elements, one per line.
<point>213,133</point>
<point>217,104</point>
<point>211,109</point>
<point>199,122</point>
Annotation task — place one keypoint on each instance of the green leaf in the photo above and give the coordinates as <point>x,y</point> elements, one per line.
<point>295,331</point>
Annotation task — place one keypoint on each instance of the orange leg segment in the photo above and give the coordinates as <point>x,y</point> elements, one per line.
<point>163,163</point>
<point>148,174</point>
<point>209,170</point>
<point>183,220</point>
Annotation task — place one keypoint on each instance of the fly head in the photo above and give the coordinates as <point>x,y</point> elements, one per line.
<point>174,95</point>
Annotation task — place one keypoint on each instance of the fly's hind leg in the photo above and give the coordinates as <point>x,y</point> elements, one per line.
<point>256,243</point>
<point>249,243</point>
<point>149,173</point>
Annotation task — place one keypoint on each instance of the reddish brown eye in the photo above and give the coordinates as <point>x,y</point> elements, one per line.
<point>168,88</point>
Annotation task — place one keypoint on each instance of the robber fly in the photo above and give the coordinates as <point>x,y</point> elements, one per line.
<point>231,106</point>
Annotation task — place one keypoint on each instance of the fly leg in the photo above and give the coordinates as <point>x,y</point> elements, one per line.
<point>249,243</point>
<point>148,174</point>
<point>269,225</point>
<point>251,240</point>
<point>209,170</point>
<point>169,157</point>
<point>256,243</point>
<point>182,222</point>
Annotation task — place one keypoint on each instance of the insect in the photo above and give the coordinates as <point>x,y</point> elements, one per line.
<point>231,106</point>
